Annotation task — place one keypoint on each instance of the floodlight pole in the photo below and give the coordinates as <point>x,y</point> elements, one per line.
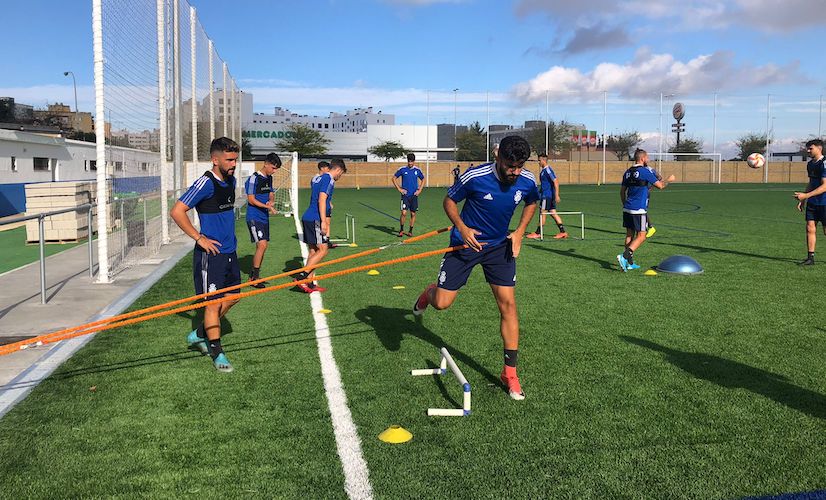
<point>768,142</point>
<point>163,145</point>
<point>194,78</point>
<point>660,142</point>
<point>100,144</point>
<point>547,121</point>
<point>820,118</point>
<point>74,84</point>
<point>211,93</point>
<point>487,129</point>
<point>427,142</point>
<point>604,128</point>
<point>714,137</point>
<point>455,144</point>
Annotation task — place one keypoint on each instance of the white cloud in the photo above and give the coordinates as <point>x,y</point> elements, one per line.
<point>649,74</point>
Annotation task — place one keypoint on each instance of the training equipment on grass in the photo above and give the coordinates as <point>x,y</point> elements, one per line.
<point>447,361</point>
<point>350,226</point>
<point>581,223</point>
<point>395,434</point>
<point>373,272</point>
<point>650,272</point>
<point>680,264</point>
<point>399,287</point>
<point>325,311</point>
<point>756,160</point>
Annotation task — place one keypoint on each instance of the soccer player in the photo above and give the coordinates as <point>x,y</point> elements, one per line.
<point>815,198</point>
<point>316,225</point>
<point>634,193</point>
<point>324,167</point>
<point>410,186</point>
<point>215,264</point>
<point>549,192</point>
<point>260,199</point>
<point>491,193</point>
<point>456,174</point>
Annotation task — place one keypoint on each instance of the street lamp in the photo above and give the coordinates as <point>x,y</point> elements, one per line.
<point>74,83</point>
<point>660,147</point>
<point>455,144</point>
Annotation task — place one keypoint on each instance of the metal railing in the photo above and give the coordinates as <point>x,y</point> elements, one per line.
<point>88,207</point>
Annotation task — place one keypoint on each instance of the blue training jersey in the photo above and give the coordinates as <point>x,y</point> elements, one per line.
<point>321,183</point>
<point>220,225</point>
<point>489,203</point>
<point>817,173</point>
<point>637,181</point>
<point>546,182</point>
<point>410,178</point>
<point>259,186</point>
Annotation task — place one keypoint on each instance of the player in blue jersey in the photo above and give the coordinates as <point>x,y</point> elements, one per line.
<point>324,167</point>
<point>634,193</point>
<point>410,186</point>
<point>815,198</point>
<point>260,199</point>
<point>491,192</point>
<point>215,264</point>
<point>549,194</point>
<point>314,221</point>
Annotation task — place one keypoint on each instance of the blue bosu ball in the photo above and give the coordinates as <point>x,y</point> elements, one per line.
<point>680,264</point>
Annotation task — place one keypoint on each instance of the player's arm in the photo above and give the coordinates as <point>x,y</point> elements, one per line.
<point>421,186</point>
<point>623,193</point>
<point>271,203</point>
<point>556,189</point>
<point>468,233</point>
<point>516,237</point>
<point>661,184</point>
<point>396,183</point>
<point>322,212</point>
<point>814,192</point>
<point>178,214</point>
<point>252,201</point>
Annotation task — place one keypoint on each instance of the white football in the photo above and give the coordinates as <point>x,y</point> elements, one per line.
<point>756,160</point>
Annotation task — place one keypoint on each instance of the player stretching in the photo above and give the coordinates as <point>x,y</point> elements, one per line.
<point>324,167</point>
<point>634,193</point>
<point>411,186</point>
<point>814,197</point>
<point>215,264</point>
<point>314,221</point>
<point>491,193</point>
<point>260,199</point>
<point>549,191</point>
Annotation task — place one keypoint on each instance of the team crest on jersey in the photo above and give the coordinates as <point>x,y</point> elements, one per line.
<point>212,287</point>
<point>442,277</point>
<point>517,197</point>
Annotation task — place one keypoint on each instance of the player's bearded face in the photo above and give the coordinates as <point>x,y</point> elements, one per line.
<point>226,162</point>
<point>509,172</point>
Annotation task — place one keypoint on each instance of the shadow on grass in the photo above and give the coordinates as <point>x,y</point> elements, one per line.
<point>392,324</point>
<point>703,249</point>
<point>383,229</point>
<point>733,375</point>
<point>185,355</point>
<point>572,253</point>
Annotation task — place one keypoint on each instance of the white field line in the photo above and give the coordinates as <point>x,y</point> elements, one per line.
<point>356,475</point>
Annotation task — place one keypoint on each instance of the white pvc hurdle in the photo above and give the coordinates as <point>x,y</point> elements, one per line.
<point>350,226</point>
<point>581,223</point>
<point>447,361</point>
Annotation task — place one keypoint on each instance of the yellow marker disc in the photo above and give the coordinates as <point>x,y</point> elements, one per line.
<point>373,272</point>
<point>395,434</point>
<point>650,272</point>
<point>398,287</point>
<point>325,311</point>
<point>352,245</point>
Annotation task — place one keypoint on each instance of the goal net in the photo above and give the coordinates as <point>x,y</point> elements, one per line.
<point>689,167</point>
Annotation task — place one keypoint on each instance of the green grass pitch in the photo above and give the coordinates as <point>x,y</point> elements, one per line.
<point>710,386</point>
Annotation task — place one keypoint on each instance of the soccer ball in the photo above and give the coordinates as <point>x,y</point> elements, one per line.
<point>756,160</point>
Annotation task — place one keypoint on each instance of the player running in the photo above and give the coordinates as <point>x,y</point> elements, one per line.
<point>491,193</point>
<point>634,193</point>
<point>314,221</point>
<point>215,264</point>
<point>412,183</point>
<point>815,198</point>
<point>549,192</point>
<point>260,199</point>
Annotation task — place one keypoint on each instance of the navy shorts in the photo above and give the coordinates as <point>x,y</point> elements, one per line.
<point>816,213</point>
<point>410,202</point>
<point>637,222</point>
<point>214,272</point>
<point>498,264</point>
<point>547,204</point>
<point>313,234</point>
<point>259,231</point>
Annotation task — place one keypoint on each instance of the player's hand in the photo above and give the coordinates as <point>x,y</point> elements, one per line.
<point>403,191</point>
<point>671,178</point>
<point>469,237</point>
<point>800,196</point>
<point>273,211</point>
<point>516,243</point>
<point>417,193</point>
<point>208,245</point>
<point>558,199</point>
<point>799,206</point>
<point>325,227</point>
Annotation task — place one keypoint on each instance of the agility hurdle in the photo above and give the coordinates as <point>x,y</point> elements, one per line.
<point>581,223</point>
<point>447,361</point>
<point>349,220</point>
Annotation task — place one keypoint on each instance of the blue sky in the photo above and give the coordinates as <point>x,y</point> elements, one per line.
<point>316,56</point>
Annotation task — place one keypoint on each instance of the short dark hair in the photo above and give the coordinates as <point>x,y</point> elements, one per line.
<point>514,149</point>
<point>224,145</point>
<point>273,159</point>
<point>639,153</point>
<point>323,164</point>
<point>411,157</point>
<point>542,154</point>
<point>814,142</point>
<point>338,163</point>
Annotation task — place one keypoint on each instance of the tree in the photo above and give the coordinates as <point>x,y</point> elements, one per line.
<point>623,143</point>
<point>751,143</point>
<point>687,145</point>
<point>304,140</point>
<point>388,150</point>
<point>559,138</point>
<point>471,145</point>
<point>246,149</point>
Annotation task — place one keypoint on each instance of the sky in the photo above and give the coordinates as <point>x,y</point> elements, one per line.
<point>510,60</point>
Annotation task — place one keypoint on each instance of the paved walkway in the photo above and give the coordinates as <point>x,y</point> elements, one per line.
<point>72,299</point>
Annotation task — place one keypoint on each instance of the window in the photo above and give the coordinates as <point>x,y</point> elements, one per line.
<point>326,125</point>
<point>14,164</point>
<point>119,166</point>
<point>144,166</point>
<point>40,163</point>
<point>93,165</point>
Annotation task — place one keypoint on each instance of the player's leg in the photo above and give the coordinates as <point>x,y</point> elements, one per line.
<point>538,233</point>
<point>214,272</point>
<point>453,274</point>
<point>403,216</point>
<point>562,233</point>
<point>811,233</point>
<point>257,258</point>
<point>632,224</point>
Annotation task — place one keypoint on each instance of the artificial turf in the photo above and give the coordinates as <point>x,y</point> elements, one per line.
<point>16,252</point>
<point>708,386</point>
